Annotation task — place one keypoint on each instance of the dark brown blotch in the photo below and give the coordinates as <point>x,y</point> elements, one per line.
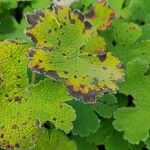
<point>102,57</point>
<point>34,18</point>
<point>32,37</point>
<point>91,14</point>
<point>31,53</point>
<point>18,99</point>
<point>80,15</point>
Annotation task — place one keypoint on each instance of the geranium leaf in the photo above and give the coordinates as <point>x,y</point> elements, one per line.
<point>132,120</point>
<point>100,16</point>
<point>55,140</point>
<point>106,135</point>
<point>124,41</point>
<point>86,121</point>
<point>106,105</point>
<point>70,50</point>
<point>24,108</point>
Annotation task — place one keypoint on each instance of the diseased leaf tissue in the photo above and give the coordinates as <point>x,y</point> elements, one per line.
<point>74,74</point>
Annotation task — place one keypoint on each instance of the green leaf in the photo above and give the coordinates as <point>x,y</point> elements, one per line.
<point>14,30</point>
<point>56,140</point>
<point>23,107</point>
<point>83,5</point>
<point>82,144</point>
<point>123,42</point>
<point>17,125</point>
<point>8,4</point>
<point>36,4</point>
<point>117,6</point>
<point>70,50</point>
<point>135,121</point>
<point>100,16</point>
<point>48,103</point>
<point>139,10</point>
<point>86,121</point>
<point>106,105</point>
<point>109,137</point>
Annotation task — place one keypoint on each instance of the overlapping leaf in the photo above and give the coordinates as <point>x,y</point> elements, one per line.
<point>56,140</point>
<point>135,121</point>
<point>109,137</point>
<point>24,108</point>
<point>86,122</point>
<point>82,143</point>
<point>122,40</point>
<point>100,16</point>
<point>106,105</point>
<point>70,50</point>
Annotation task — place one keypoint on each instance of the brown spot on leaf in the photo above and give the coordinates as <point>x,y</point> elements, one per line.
<point>91,14</point>
<point>32,37</point>
<point>34,18</point>
<point>18,85</point>
<point>80,15</point>
<point>87,25</point>
<point>102,57</point>
<point>1,135</point>
<point>40,61</point>
<point>18,99</point>
<point>14,126</point>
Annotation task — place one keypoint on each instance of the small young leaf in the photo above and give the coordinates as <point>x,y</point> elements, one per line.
<point>106,105</point>
<point>86,121</point>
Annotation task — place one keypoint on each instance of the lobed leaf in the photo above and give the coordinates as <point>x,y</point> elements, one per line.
<point>70,50</point>
<point>132,120</point>
<point>86,122</point>
<point>109,137</point>
<point>106,106</point>
<point>23,107</point>
<point>124,41</point>
<point>100,16</point>
<point>55,140</point>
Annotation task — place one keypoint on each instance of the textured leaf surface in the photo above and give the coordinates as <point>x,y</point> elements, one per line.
<point>100,16</point>
<point>86,121</point>
<point>56,140</point>
<point>16,122</point>
<point>47,99</point>
<point>36,4</point>
<point>70,50</point>
<point>23,109</point>
<point>139,10</point>
<point>135,121</point>
<point>82,144</point>
<point>83,5</point>
<point>117,6</point>
<point>109,137</point>
<point>123,41</point>
<point>106,105</point>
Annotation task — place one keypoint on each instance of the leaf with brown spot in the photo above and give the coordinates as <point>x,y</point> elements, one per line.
<point>24,107</point>
<point>100,15</point>
<point>80,52</point>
